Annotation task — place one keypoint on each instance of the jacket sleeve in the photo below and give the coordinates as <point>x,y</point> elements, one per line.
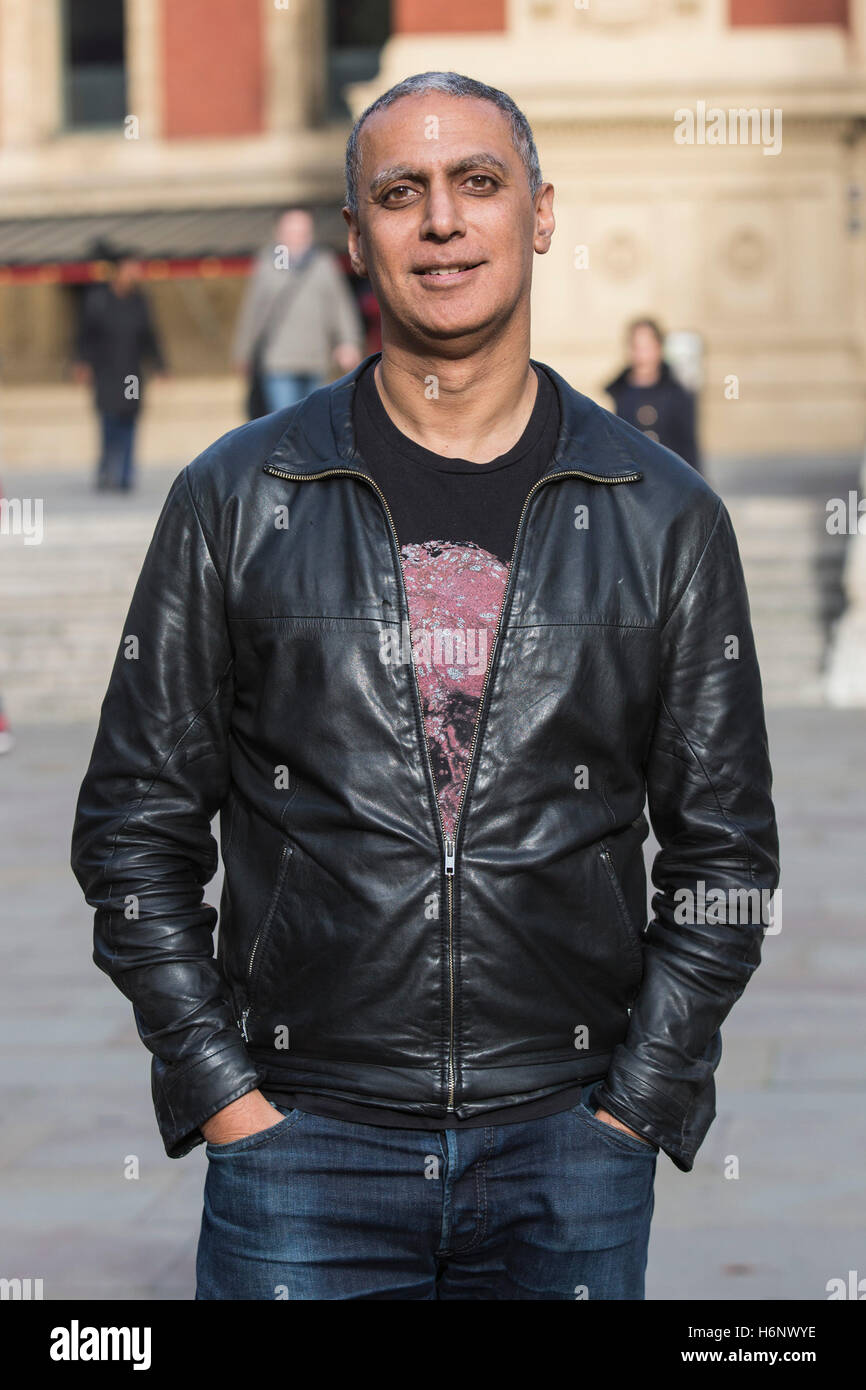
<point>142,848</point>
<point>709,797</point>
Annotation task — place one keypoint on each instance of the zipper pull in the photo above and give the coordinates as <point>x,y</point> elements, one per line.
<point>242,1024</point>
<point>449,856</point>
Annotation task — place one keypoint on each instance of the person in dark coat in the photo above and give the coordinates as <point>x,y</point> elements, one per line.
<point>648,395</point>
<point>116,340</point>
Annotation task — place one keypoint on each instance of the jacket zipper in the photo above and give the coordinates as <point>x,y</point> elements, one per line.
<point>449,845</point>
<point>622,907</point>
<point>607,860</point>
<point>266,922</point>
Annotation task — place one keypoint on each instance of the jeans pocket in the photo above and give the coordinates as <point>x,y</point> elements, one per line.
<point>618,1138</point>
<point>259,1138</point>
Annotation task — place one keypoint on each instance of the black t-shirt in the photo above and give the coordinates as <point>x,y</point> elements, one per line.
<point>451,500</point>
<point>456,523</point>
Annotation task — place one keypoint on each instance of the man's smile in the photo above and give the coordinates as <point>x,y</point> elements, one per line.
<point>440,276</point>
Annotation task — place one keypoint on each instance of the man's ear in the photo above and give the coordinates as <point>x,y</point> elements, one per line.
<point>545,222</point>
<point>356,255</point>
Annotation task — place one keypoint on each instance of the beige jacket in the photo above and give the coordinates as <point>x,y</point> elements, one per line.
<point>321,312</point>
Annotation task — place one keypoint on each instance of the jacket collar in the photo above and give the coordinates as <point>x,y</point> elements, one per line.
<point>321,433</point>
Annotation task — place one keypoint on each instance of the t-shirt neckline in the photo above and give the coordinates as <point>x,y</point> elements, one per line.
<point>370,402</point>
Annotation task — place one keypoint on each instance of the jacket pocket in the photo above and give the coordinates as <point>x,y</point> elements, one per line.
<point>260,940</point>
<point>627,929</point>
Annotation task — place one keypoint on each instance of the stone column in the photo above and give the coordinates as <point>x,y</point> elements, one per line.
<point>295,38</point>
<point>857,30</point>
<point>31,96</point>
<point>144,65</point>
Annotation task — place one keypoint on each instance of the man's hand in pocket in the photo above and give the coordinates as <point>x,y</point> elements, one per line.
<point>618,1124</point>
<point>247,1115</point>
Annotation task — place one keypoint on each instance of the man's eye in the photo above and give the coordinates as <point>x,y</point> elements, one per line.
<point>396,188</point>
<point>487,178</point>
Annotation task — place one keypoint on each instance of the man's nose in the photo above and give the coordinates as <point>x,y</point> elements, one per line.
<point>442,214</point>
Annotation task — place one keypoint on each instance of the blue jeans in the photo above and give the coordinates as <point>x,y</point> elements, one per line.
<point>287,388</point>
<point>318,1209</point>
<point>115,459</point>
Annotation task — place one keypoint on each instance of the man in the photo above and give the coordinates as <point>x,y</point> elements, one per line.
<point>298,318</point>
<point>116,342</point>
<point>436,1055</point>
<point>647,394</point>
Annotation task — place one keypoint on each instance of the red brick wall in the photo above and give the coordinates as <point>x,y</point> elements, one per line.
<point>213,67</point>
<point>789,12</point>
<point>447,16</point>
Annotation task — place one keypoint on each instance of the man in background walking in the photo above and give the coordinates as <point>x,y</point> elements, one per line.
<point>116,338</point>
<point>298,320</point>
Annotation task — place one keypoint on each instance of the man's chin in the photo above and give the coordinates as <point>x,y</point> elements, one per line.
<point>460,335</point>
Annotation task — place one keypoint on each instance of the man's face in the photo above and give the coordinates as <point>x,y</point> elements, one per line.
<point>295,230</point>
<point>443,188</point>
<point>127,274</point>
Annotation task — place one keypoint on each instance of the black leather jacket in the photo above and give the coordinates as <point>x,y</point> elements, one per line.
<point>359,954</point>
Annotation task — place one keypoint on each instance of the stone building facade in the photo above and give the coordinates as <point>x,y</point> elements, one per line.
<point>709,158</point>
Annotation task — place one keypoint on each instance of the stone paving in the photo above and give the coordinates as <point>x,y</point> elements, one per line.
<point>75,1092</point>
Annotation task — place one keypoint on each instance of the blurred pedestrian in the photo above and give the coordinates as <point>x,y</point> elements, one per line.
<point>648,395</point>
<point>116,339</point>
<point>298,320</point>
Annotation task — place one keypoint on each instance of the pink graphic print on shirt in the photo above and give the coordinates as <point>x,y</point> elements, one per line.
<point>455,593</point>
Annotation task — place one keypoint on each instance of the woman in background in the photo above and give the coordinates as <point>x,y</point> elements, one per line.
<point>648,395</point>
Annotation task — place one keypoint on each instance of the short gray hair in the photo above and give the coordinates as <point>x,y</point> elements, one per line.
<point>456,85</point>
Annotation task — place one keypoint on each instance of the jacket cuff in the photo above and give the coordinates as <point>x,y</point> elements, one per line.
<point>650,1112</point>
<point>184,1097</point>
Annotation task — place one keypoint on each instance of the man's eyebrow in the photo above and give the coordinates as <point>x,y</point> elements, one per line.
<point>460,166</point>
